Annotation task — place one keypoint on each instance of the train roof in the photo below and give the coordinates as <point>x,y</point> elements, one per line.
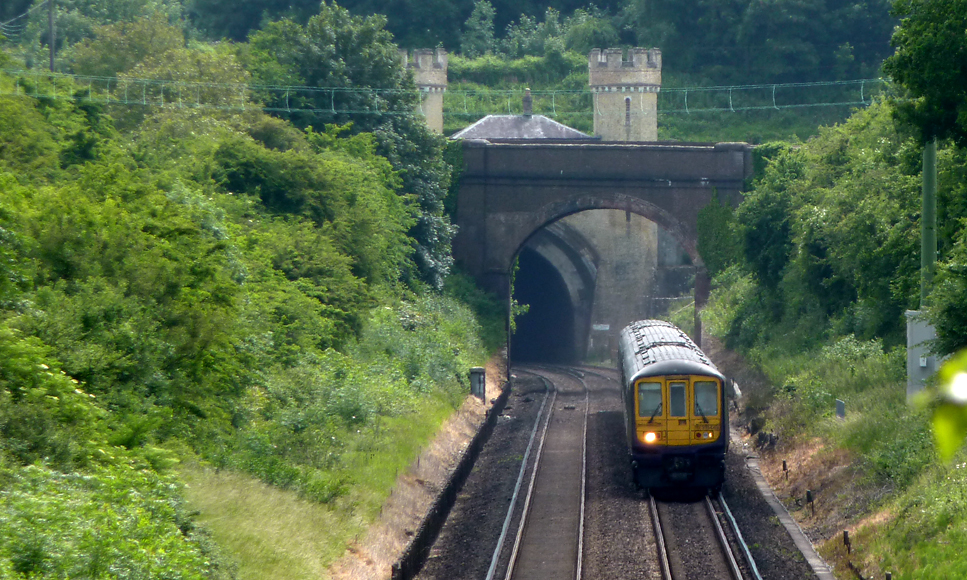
<point>656,347</point>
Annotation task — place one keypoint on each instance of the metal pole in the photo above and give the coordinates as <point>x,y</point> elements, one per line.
<point>52,30</point>
<point>928,220</point>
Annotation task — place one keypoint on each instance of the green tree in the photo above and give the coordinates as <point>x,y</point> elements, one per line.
<point>929,63</point>
<point>78,20</point>
<point>766,216</point>
<point>719,238</point>
<point>236,20</point>
<point>478,35</point>
<point>785,40</point>
<point>828,237</point>
<point>357,67</point>
<point>119,47</point>
<point>587,29</point>
<point>13,8</point>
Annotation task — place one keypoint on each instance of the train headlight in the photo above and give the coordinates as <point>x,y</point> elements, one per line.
<point>650,437</point>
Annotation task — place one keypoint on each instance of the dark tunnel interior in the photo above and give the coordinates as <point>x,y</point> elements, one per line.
<point>546,332</point>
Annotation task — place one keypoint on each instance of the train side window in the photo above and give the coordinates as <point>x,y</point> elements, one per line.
<point>706,398</point>
<point>676,402</point>
<point>649,400</point>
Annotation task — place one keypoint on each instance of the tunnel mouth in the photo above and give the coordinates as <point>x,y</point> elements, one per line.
<point>545,334</point>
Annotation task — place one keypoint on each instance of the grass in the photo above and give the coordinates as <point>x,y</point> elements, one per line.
<point>905,509</point>
<point>270,532</point>
<point>918,534</point>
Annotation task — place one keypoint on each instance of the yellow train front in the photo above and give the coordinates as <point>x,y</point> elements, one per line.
<point>675,408</point>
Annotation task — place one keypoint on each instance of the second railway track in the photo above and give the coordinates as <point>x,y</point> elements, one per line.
<point>613,538</point>
<point>549,539</point>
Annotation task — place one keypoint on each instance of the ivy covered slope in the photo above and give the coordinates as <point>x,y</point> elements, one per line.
<point>184,286</point>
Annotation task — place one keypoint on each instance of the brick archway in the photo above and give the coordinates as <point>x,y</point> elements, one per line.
<point>511,189</point>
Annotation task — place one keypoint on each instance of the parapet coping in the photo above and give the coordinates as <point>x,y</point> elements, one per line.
<point>598,143</point>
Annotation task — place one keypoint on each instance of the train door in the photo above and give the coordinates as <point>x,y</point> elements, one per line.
<point>693,410</point>
<point>679,428</point>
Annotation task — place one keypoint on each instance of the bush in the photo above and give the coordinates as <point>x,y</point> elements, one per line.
<point>113,522</point>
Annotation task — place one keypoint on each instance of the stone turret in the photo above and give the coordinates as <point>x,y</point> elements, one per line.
<point>625,93</point>
<point>430,74</point>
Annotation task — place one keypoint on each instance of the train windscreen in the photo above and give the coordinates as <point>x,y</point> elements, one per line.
<point>706,398</point>
<point>649,399</point>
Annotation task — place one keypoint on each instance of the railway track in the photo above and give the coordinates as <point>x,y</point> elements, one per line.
<point>570,453</point>
<point>547,541</point>
<point>700,540</point>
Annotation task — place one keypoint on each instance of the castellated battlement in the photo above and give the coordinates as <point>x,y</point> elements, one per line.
<point>625,93</point>
<point>429,67</point>
<point>610,68</point>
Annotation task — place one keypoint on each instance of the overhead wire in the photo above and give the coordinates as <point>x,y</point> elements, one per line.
<point>294,98</point>
<point>11,31</point>
<point>27,13</point>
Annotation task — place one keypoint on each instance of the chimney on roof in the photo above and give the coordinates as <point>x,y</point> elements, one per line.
<point>528,103</point>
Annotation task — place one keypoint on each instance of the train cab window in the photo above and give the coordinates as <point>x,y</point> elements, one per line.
<point>706,399</point>
<point>676,400</point>
<point>649,399</point>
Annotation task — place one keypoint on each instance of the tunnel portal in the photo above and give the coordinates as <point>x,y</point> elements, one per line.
<point>546,332</point>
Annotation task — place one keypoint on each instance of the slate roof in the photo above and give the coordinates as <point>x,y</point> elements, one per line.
<point>518,127</point>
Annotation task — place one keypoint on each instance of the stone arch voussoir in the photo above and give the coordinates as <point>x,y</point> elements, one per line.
<point>556,210</point>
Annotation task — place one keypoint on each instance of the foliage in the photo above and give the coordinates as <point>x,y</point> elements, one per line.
<point>414,23</point>
<point>828,237</point>
<point>79,20</point>
<point>220,19</point>
<point>304,422</point>
<point>947,298</point>
<point>583,30</point>
<point>889,437</point>
<point>718,240</point>
<point>118,47</point>
<point>489,312</point>
<point>783,41</point>
<point>355,56</point>
<point>13,8</point>
<point>216,285</point>
<point>478,39</point>
<point>115,521</point>
<point>27,145</point>
<point>924,529</point>
<point>930,50</point>
<point>533,71</point>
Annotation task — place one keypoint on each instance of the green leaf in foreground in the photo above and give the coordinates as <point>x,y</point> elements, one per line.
<point>950,417</point>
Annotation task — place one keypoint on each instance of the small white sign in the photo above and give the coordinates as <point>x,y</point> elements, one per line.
<point>601,327</point>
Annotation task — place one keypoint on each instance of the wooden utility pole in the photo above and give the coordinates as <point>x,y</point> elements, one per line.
<point>52,30</point>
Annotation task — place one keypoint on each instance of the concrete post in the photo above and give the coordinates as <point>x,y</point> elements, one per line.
<point>430,75</point>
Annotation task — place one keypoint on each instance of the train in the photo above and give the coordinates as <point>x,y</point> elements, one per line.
<point>675,408</point>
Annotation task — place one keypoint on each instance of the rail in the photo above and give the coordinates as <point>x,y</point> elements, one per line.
<point>695,525</point>
<point>546,481</point>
